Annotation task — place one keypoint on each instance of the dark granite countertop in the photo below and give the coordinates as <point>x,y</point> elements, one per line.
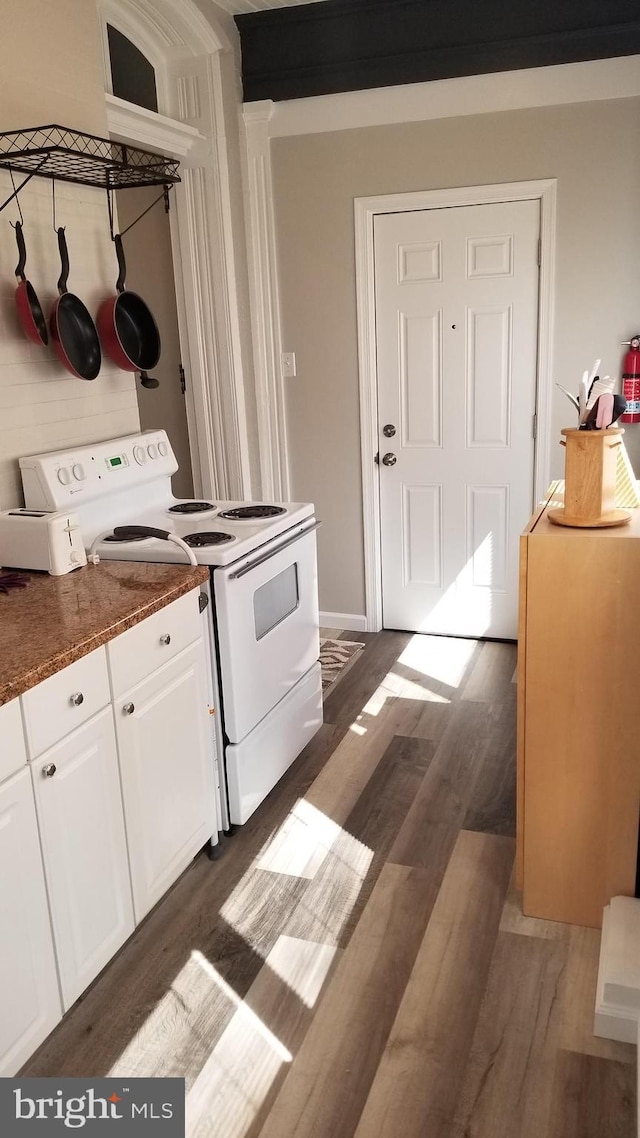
<point>56,620</point>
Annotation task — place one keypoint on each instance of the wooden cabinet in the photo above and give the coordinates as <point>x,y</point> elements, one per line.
<point>165,745</point>
<point>29,994</point>
<point>578,718</point>
<point>79,805</point>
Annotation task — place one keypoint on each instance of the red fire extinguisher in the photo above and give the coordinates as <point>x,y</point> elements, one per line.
<point>631,381</point>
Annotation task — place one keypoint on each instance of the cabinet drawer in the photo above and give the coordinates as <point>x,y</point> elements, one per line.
<point>136,653</point>
<point>65,701</point>
<point>13,754</point>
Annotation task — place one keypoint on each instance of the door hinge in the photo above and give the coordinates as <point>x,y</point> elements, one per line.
<point>539,251</point>
<point>183,381</point>
<point>534,427</point>
<point>376,458</point>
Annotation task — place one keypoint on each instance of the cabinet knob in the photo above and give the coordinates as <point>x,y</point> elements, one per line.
<point>165,638</point>
<point>129,708</point>
<point>76,699</point>
<point>49,769</point>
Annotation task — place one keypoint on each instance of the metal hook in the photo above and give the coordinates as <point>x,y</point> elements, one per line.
<point>15,194</point>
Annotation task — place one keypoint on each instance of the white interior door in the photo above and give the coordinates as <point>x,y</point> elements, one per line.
<point>456,338</point>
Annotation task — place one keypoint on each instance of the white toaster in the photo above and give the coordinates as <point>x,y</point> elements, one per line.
<point>37,539</point>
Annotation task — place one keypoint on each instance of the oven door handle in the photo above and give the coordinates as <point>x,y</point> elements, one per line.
<point>272,552</point>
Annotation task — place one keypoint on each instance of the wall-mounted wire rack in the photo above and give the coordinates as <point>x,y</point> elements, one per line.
<point>72,156</point>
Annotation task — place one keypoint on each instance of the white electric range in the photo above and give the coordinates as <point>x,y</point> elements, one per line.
<point>263,586</point>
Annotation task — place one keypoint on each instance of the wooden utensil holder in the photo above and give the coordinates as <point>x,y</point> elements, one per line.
<point>590,479</point>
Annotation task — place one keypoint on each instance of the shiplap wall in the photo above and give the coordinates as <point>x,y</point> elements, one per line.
<point>42,406</point>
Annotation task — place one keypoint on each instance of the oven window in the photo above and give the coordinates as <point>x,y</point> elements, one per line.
<point>273,602</point>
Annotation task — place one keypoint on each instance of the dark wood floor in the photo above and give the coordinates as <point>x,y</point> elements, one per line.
<point>357,963</point>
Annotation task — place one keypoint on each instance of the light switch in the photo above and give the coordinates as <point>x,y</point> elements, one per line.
<point>288,361</point>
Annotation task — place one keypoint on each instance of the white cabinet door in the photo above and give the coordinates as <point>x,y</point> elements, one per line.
<point>79,807</point>
<point>166,752</point>
<point>29,996</point>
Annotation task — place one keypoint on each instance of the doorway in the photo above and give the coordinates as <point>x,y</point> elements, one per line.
<point>150,273</point>
<point>454,317</point>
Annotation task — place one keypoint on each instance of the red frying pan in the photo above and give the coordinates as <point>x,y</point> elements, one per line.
<point>127,327</point>
<point>74,335</point>
<point>30,311</point>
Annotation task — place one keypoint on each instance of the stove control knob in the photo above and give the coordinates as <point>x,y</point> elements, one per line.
<point>78,471</point>
<point>164,449</point>
<point>152,450</point>
<point>140,455</point>
<point>64,476</point>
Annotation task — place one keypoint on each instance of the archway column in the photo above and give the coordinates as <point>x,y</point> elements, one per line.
<point>186,52</point>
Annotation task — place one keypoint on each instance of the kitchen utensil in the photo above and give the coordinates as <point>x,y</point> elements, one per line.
<point>74,334</point>
<point>38,539</point>
<point>30,312</point>
<point>127,327</point>
<point>604,417</point>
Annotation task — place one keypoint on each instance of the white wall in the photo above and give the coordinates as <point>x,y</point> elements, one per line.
<point>51,71</point>
<point>590,148</point>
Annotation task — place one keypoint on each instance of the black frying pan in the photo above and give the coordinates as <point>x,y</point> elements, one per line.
<point>127,327</point>
<point>74,334</point>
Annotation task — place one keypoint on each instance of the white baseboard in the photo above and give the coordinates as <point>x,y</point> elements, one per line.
<point>350,622</point>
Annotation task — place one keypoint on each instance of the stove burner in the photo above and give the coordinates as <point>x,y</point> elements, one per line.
<point>191,508</point>
<point>118,539</point>
<point>213,537</point>
<point>243,513</point>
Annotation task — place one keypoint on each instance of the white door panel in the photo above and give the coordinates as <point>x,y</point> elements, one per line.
<point>456,336</point>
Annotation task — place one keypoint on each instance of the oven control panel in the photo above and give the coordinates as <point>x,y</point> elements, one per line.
<point>53,481</point>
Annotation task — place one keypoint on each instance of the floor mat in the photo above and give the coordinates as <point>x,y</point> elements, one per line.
<point>336,657</point>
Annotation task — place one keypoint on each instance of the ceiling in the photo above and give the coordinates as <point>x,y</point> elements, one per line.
<point>237,6</point>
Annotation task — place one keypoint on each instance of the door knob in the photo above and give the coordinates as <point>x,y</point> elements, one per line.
<point>389,459</point>
<point>388,430</point>
<point>49,769</point>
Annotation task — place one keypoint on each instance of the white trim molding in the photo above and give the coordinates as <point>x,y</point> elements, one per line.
<point>265,303</point>
<point>365,211</point>
<point>126,120</point>
<point>185,50</point>
<point>592,81</point>
<point>345,621</point>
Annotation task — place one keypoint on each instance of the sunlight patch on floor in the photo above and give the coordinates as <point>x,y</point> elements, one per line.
<point>301,844</point>
<point>303,965</point>
<point>438,657</point>
<point>235,1080</point>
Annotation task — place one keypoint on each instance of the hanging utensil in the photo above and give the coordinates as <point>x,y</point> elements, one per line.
<point>30,312</point>
<point>74,334</point>
<point>127,327</point>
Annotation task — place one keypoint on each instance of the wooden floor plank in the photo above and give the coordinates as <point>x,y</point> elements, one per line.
<point>350,696</point>
<point>416,1087</point>
<point>237,1084</point>
<point>593,1098</point>
<point>490,679</point>
<point>579,1000</point>
<point>513,919</point>
<point>330,1077</point>
<point>508,1083</point>
<point>432,823</point>
<point>492,806</point>
<point>335,897</point>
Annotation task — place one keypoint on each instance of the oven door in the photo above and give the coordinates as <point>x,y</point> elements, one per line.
<point>267,622</point>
